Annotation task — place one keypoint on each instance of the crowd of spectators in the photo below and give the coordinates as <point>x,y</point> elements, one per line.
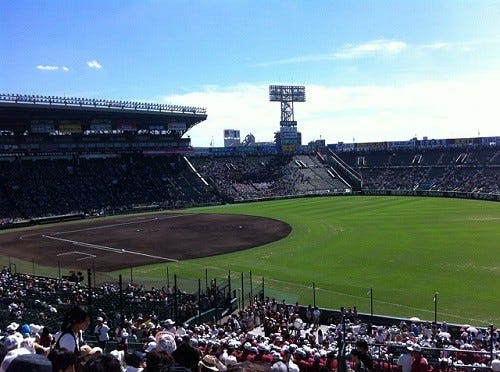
<point>255,177</point>
<point>31,299</point>
<point>36,188</point>
<point>40,187</point>
<point>462,169</point>
<point>266,335</point>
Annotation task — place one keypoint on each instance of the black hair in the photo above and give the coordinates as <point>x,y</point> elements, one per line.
<point>356,353</point>
<point>61,359</point>
<point>103,363</point>
<point>362,344</point>
<point>78,314</point>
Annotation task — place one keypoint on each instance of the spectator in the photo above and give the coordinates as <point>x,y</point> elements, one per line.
<point>134,362</point>
<point>405,360</point>
<point>102,332</point>
<point>30,363</point>
<point>358,365</point>
<point>186,355</point>
<point>63,360</point>
<point>103,363</point>
<point>71,336</point>
<point>364,354</point>
<point>419,364</point>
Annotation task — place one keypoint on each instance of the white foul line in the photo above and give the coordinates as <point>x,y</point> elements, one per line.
<point>22,237</point>
<point>76,252</point>
<point>108,249</point>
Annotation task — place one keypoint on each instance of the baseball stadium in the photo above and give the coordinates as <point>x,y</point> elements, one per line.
<point>107,204</point>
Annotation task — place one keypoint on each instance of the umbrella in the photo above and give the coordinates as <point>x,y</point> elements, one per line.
<point>414,319</point>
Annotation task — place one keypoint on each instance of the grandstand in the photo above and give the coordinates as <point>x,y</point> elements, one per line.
<point>72,155</point>
<point>65,158</point>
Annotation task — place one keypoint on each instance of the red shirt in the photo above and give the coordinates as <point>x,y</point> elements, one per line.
<point>420,364</point>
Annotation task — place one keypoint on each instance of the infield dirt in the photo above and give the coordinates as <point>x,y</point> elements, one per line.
<point>112,244</point>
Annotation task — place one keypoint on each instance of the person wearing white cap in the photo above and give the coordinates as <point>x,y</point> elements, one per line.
<point>419,364</point>
<point>101,331</point>
<point>278,365</point>
<point>405,360</point>
<point>13,344</point>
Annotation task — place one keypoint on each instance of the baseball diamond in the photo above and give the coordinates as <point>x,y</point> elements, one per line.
<point>113,244</point>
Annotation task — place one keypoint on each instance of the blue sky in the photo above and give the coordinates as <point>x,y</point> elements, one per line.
<point>373,70</point>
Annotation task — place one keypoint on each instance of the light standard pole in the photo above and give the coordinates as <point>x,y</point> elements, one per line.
<point>371,304</point>
<point>435,307</point>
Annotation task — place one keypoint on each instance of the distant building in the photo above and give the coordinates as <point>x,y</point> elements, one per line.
<point>231,138</point>
<point>317,145</point>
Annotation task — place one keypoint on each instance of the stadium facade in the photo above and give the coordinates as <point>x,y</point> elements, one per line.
<point>62,156</point>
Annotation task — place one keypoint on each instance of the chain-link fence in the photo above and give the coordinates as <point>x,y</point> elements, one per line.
<point>245,287</point>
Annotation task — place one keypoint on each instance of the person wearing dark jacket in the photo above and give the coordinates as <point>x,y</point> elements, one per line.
<point>186,355</point>
<point>365,356</point>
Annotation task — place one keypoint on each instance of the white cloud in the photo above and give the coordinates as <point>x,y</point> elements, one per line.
<point>94,64</point>
<point>47,67</point>
<point>370,48</point>
<point>437,109</point>
<point>377,47</point>
<point>65,68</point>
<point>349,51</point>
<point>436,45</point>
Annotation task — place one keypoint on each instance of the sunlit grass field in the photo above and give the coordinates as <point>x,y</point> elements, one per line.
<point>405,248</point>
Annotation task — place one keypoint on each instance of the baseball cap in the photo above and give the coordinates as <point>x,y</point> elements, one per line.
<point>415,347</point>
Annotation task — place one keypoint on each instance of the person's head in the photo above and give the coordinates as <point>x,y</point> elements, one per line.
<point>362,345</point>
<point>415,350</point>
<point>88,353</point>
<point>134,359</point>
<point>103,363</point>
<point>62,360</point>
<point>165,341</point>
<point>30,362</point>
<point>10,342</point>
<point>76,319</point>
<point>209,363</point>
<point>356,355</point>
<point>157,360</point>
<point>250,366</point>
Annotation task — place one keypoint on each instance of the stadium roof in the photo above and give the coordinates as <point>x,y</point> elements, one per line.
<point>17,111</point>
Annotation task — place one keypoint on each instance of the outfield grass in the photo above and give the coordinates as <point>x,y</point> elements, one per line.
<point>405,248</point>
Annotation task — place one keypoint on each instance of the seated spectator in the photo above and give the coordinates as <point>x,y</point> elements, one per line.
<point>103,363</point>
<point>63,360</point>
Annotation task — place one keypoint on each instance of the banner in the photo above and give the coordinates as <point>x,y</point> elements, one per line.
<point>68,127</point>
<point>177,126</point>
<point>100,127</point>
<point>42,128</point>
<point>130,127</point>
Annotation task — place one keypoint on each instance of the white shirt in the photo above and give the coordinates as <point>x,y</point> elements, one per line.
<point>101,330</point>
<point>405,361</point>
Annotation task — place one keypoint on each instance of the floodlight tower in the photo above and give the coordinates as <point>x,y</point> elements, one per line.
<point>287,137</point>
